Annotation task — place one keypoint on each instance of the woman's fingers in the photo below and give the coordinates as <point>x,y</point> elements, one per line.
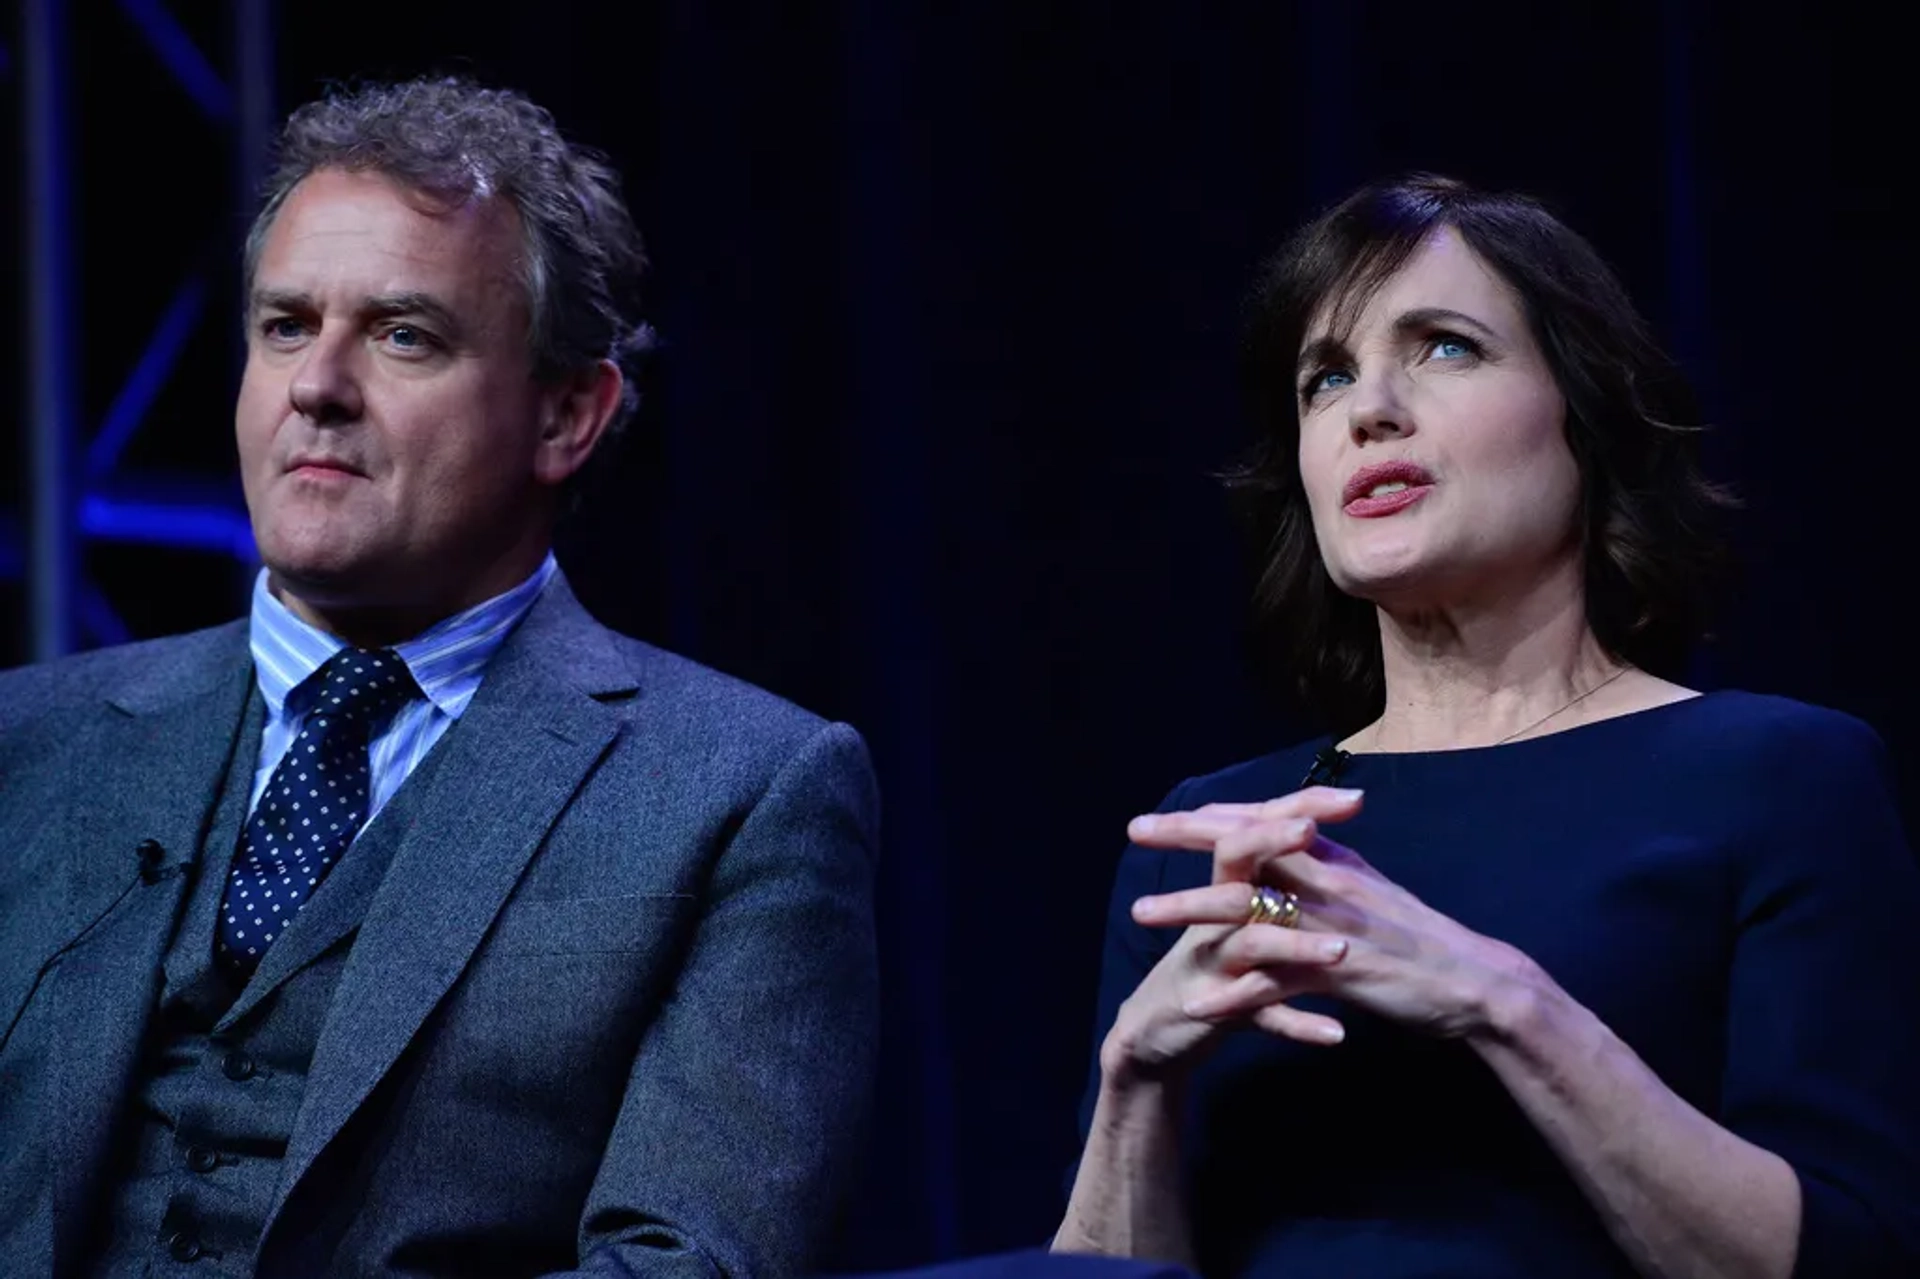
<point>1302,1027</point>
<point>1233,998</point>
<point>1214,904</point>
<point>1229,903</point>
<point>1329,853</point>
<point>1244,838</point>
<point>1258,996</point>
<point>1262,945</point>
<point>1200,828</point>
<point>1241,855</point>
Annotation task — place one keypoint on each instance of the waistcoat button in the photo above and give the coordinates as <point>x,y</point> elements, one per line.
<point>183,1246</point>
<point>200,1159</point>
<point>238,1066</point>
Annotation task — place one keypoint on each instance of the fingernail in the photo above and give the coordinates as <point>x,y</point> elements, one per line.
<point>1143,825</point>
<point>1331,1034</point>
<point>1348,792</point>
<point>1333,948</point>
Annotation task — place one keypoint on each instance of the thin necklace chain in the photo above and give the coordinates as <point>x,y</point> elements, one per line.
<point>1565,708</point>
<point>1561,709</point>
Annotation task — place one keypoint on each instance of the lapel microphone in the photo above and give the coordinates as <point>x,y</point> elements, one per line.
<point>1326,767</point>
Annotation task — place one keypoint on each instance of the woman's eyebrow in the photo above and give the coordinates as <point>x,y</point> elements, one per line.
<point>1324,349</point>
<point>1422,318</point>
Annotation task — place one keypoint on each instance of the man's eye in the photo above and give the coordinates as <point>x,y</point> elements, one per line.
<point>283,328</point>
<point>406,338</point>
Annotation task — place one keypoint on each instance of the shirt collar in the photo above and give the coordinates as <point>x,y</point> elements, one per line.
<point>446,660</point>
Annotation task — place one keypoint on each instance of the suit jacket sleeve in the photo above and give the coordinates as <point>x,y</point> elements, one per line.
<point>751,1088</point>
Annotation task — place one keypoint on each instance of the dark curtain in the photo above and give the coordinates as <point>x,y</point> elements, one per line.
<point>948,298</point>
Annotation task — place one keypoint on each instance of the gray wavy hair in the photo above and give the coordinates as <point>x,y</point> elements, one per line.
<point>456,140</point>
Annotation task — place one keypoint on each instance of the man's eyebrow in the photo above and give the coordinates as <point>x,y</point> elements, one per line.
<point>424,305</point>
<point>279,300</point>
<point>380,306</point>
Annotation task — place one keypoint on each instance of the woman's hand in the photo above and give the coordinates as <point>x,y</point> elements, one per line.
<point>1401,959</point>
<point>1224,970</point>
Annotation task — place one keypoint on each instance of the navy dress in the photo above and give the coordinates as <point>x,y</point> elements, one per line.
<point>1723,881</point>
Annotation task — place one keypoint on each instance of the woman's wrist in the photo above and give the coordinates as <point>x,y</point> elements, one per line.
<point>1120,1069</point>
<point>1126,1072</point>
<point>1512,1004</point>
<point>1127,1199</point>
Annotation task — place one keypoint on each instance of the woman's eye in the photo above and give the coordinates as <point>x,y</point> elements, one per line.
<point>1448,347</point>
<point>1326,380</point>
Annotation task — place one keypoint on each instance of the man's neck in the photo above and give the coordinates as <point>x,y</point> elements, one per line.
<point>369,621</point>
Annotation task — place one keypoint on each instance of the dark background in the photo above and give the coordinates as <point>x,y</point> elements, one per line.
<point>948,298</point>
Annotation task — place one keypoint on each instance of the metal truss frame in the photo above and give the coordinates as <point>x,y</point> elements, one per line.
<point>78,491</point>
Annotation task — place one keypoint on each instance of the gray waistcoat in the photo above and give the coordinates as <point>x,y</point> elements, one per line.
<point>224,1068</point>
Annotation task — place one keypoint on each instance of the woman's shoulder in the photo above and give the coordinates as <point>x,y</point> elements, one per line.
<point>1758,763</point>
<point>1251,780</point>
<point>1765,729</point>
<point>1729,731</point>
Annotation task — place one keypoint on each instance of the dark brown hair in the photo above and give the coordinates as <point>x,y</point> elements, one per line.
<point>1648,516</point>
<point>452,138</point>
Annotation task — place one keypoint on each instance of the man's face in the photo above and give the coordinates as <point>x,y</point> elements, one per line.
<point>389,425</point>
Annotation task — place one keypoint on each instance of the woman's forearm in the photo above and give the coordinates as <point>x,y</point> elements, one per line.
<point>1127,1198</point>
<point>1682,1196</point>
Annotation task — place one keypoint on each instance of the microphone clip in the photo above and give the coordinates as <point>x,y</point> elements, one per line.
<point>1328,763</point>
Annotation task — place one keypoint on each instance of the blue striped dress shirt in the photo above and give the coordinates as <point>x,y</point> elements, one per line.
<point>447,661</point>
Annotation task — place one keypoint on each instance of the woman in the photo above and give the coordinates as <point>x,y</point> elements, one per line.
<point>1602,976</point>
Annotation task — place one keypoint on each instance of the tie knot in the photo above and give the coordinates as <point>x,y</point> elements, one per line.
<point>362,685</point>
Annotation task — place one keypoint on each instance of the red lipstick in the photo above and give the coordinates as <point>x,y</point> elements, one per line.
<point>1356,497</point>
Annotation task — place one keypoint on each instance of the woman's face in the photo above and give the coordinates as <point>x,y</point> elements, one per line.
<point>1432,440</point>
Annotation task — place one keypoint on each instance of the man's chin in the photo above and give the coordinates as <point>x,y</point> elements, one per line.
<point>321,582</point>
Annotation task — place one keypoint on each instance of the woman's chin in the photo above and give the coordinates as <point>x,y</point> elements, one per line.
<point>1397,581</point>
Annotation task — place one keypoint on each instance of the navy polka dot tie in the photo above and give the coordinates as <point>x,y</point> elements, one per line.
<point>316,800</point>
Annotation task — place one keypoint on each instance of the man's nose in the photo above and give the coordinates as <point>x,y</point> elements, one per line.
<point>326,387</point>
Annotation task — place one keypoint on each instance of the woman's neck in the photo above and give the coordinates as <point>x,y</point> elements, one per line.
<point>1488,673</point>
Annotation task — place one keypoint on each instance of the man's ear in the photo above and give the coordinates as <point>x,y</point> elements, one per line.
<point>574,415</point>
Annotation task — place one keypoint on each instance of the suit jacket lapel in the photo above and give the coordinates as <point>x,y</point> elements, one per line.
<point>152,771</point>
<point>509,766</point>
<point>342,902</point>
<point>333,913</point>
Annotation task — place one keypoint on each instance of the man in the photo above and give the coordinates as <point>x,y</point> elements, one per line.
<point>419,925</point>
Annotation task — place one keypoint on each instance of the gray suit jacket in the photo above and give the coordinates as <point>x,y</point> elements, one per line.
<point>617,987</point>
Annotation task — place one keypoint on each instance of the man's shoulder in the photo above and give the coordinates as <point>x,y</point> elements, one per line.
<point>727,737</point>
<point>697,698</point>
<point>43,689</point>
<point>644,684</point>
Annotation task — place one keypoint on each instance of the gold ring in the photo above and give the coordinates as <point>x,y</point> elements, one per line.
<point>1269,907</point>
